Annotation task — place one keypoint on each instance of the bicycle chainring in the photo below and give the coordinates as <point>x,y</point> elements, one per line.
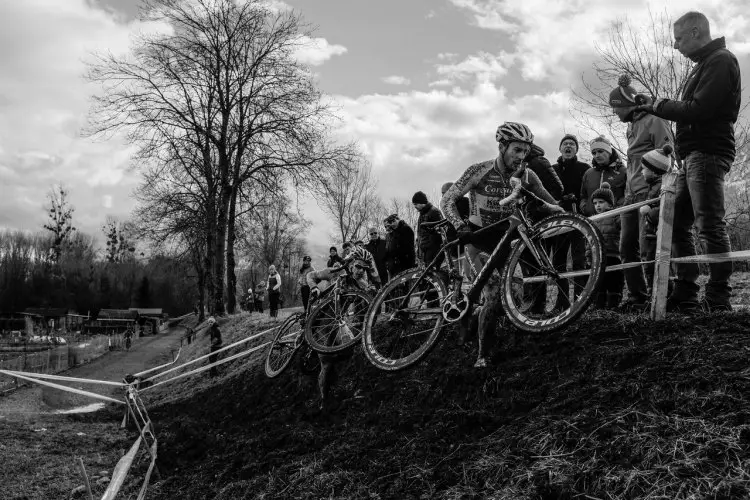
<point>455,306</point>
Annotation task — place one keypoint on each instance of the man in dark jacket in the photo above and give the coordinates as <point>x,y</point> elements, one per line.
<point>376,246</point>
<point>399,246</point>
<point>705,118</point>
<point>570,171</point>
<point>428,241</point>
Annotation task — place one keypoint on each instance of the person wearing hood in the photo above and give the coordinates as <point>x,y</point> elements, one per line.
<point>606,167</point>
<point>645,133</point>
<point>428,241</point>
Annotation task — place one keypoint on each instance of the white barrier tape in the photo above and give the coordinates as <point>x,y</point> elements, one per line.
<point>69,379</point>
<point>121,471</point>
<point>147,478</point>
<point>252,337</point>
<point>64,388</point>
<point>208,367</point>
<point>713,258</point>
<point>628,265</point>
<point>144,372</point>
<point>623,209</point>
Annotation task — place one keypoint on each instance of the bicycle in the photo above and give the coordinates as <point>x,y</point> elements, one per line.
<point>405,319</point>
<point>290,339</point>
<point>335,323</point>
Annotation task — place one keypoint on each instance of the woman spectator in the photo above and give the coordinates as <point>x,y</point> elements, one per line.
<point>273,285</point>
<point>304,289</point>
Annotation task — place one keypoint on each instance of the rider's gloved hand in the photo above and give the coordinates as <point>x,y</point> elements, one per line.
<point>464,233</point>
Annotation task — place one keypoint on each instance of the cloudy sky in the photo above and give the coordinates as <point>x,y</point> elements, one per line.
<point>421,84</point>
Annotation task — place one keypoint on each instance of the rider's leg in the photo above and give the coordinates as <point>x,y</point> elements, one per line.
<point>488,318</point>
<point>325,379</point>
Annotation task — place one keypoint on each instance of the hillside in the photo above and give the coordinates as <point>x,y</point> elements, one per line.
<point>614,407</point>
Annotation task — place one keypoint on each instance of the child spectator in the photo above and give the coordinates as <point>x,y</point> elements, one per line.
<point>215,340</point>
<point>259,296</point>
<point>607,168</point>
<point>603,200</point>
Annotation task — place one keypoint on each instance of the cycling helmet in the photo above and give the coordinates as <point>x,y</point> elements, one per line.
<point>514,132</point>
<point>359,253</point>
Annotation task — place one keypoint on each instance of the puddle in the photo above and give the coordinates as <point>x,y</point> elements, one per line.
<point>82,409</point>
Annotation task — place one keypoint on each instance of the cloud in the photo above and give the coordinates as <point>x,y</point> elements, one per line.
<point>396,80</point>
<point>316,51</point>
<point>483,66</point>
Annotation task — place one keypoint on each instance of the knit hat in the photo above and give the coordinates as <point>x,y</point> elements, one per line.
<point>572,138</point>
<point>419,197</point>
<point>623,95</point>
<point>537,151</point>
<point>658,160</point>
<point>604,193</point>
<point>601,142</point>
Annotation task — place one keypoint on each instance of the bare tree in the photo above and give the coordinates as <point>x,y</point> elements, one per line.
<point>646,56</point>
<point>60,223</point>
<point>223,94</point>
<point>119,240</point>
<point>350,197</point>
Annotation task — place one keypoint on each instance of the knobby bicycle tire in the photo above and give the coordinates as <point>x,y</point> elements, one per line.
<point>382,324</point>
<point>556,226</point>
<point>290,346</point>
<point>322,330</point>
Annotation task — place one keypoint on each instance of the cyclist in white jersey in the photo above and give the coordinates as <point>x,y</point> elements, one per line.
<point>487,183</point>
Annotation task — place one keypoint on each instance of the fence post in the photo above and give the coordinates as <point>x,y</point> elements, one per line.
<point>663,246</point>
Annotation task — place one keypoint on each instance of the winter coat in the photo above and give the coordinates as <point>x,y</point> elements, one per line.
<point>542,168</point>
<point>428,241</point>
<point>710,103</point>
<point>652,217</point>
<point>610,228</point>
<point>614,173</point>
<point>399,247</point>
<point>302,276</point>
<point>570,172</point>
<point>377,249</point>
<point>645,133</point>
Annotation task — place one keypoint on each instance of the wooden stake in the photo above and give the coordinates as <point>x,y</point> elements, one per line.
<point>85,478</point>
<point>663,246</point>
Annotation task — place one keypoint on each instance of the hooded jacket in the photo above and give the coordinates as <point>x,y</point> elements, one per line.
<point>645,133</point>
<point>614,173</point>
<point>610,228</point>
<point>429,241</point>
<point>399,247</point>
<point>710,103</point>
<point>570,172</point>
<point>542,168</point>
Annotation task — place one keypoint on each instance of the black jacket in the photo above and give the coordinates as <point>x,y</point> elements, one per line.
<point>614,173</point>
<point>429,242</point>
<point>334,259</point>
<point>710,103</point>
<point>399,247</point>
<point>377,249</point>
<point>570,173</point>
<point>542,168</point>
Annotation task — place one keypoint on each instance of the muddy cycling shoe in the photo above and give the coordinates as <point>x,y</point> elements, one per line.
<point>481,363</point>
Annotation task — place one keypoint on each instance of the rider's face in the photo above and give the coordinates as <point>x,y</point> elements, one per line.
<point>515,153</point>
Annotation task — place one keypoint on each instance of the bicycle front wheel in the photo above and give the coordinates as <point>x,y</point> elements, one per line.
<point>284,345</point>
<point>547,287</point>
<point>404,320</point>
<point>336,323</point>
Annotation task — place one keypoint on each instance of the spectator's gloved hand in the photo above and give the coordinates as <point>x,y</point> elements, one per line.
<point>315,292</point>
<point>644,210</point>
<point>464,233</point>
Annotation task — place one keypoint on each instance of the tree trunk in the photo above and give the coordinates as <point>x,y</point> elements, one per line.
<point>231,275</point>
<point>221,246</point>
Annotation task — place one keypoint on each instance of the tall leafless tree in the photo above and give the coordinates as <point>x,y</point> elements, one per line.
<point>60,223</point>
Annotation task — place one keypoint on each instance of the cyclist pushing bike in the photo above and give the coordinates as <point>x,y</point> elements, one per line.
<point>487,184</point>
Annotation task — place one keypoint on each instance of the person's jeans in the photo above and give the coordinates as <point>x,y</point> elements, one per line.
<point>633,248</point>
<point>699,199</point>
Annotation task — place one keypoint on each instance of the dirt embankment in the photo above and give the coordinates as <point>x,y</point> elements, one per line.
<point>613,407</point>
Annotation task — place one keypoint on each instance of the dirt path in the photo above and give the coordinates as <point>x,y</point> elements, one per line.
<point>145,353</point>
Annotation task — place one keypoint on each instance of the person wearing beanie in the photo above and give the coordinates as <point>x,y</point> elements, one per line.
<point>334,257</point>
<point>645,133</point>
<point>376,246</point>
<point>570,171</point>
<point>428,242</point>
<point>610,293</point>
<point>606,167</point>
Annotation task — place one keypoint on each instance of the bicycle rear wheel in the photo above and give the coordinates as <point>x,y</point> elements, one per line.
<point>404,320</point>
<point>539,298</point>
<point>284,346</point>
<point>334,327</point>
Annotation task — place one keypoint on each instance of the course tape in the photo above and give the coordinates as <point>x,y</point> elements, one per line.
<point>63,387</point>
<point>68,379</point>
<point>623,209</point>
<point>239,342</point>
<point>714,257</point>
<point>208,367</point>
<point>144,487</point>
<point>121,471</point>
<point>144,372</point>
